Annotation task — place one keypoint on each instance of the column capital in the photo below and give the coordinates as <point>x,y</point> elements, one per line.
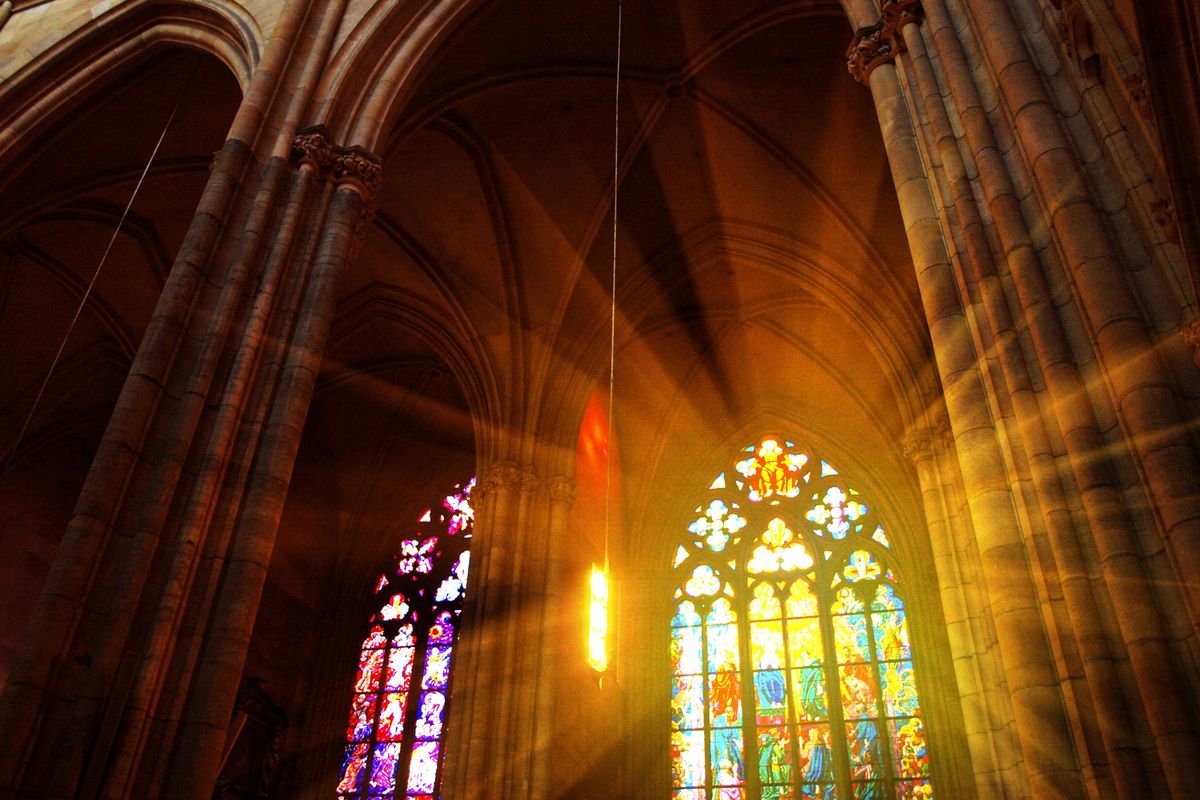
<point>353,166</point>
<point>878,44</point>
<point>562,489</point>
<point>923,442</point>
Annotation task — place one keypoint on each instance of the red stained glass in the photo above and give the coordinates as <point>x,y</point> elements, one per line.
<point>419,601</point>
<point>369,670</point>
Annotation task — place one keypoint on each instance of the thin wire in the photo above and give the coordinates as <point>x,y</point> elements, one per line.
<point>612,321</point>
<point>12,454</point>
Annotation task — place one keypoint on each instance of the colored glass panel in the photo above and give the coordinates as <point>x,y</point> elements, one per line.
<point>422,768</point>
<point>354,764</point>
<point>726,757</point>
<point>362,717</point>
<point>809,630</point>
<point>909,751</point>
<point>688,758</point>
<point>687,702</point>
<point>414,628</point>
<point>429,719</point>
<point>383,767</point>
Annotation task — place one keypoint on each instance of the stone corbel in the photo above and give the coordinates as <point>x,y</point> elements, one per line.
<point>1138,88</point>
<point>880,43</point>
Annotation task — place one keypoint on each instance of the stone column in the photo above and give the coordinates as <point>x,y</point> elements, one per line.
<point>1144,397</point>
<point>1143,630</point>
<point>5,12</point>
<point>924,446</point>
<point>1042,726</point>
<point>554,632</point>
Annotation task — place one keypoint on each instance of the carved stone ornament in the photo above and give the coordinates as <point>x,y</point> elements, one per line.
<point>1191,335</point>
<point>359,166</point>
<point>868,49</point>
<point>353,165</point>
<point>895,14</point>
<point>880,43</point>
<point>562,489</point>
<point>1163,210</point>
<point>312,145</point>
<point>924,442</point>
<point>1139,94</point>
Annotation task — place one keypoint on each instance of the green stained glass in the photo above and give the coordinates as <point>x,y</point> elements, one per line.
<point>790,650</point>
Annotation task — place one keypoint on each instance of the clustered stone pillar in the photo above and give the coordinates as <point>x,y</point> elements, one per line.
<point>498,744</point>
<point>128,683</point>
<point>1065,520</point>
<point>1041,723</point>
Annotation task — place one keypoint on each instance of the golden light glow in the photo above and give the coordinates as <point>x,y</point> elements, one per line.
<point>598,621</point>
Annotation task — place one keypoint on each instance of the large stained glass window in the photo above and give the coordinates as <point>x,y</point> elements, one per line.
<point>393,740</point>
<point>792,671</point>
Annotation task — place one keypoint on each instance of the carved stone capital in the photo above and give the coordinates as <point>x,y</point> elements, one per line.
<point>562,489</point>
<point>355,166</point>
<point>361,168</point>
<point>868,49</point>
<point>1191,335</point>
<point>312,145</point>
<point>895,14</point>
<point>925,442</point>
<point>880,43</point>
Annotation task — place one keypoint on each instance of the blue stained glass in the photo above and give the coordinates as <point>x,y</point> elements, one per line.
<point>353,765</point>
<point>809,686</point>
<point>770,690</point>
<point>429,720</point>
<point>726,757</point>
<point>862,741</point>
<point>383,767</point>
<point>437,668</point>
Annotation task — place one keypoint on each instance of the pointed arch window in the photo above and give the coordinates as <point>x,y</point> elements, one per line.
<point>398,714</point>
<point>792,673</point>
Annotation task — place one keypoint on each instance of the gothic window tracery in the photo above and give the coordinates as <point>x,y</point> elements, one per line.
<point>792,670</point>
<point>398,713</point>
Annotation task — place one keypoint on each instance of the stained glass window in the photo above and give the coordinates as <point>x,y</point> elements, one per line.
<point>398,713</point>
<point>792,674</point>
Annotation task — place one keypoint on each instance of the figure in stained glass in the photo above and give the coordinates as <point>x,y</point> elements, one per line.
<point>419,602</point>
<point>804,621</point>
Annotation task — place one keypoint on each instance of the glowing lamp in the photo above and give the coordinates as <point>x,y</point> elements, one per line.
<point>598,621</point>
